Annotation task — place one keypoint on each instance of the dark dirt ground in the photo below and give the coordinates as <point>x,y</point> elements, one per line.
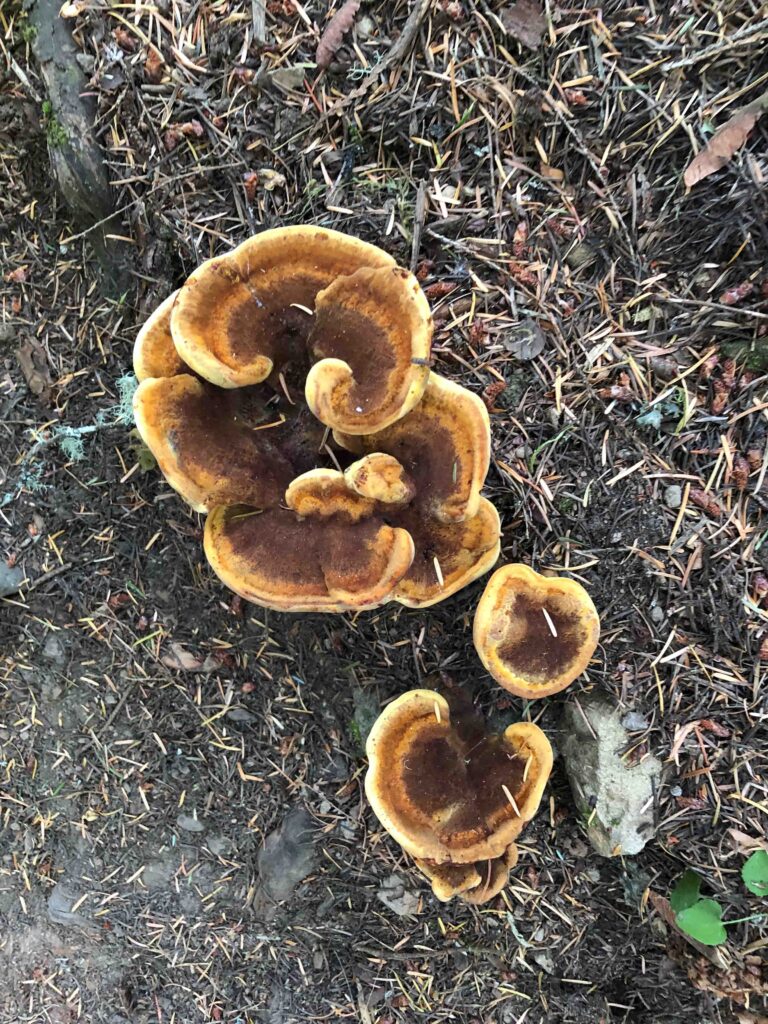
<point>542,185</point>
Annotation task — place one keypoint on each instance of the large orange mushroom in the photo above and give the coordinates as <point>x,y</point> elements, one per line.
<point>240,316</point>
<point>535,634</point>
<point>454,796</point>
<point>372,333</point>
<point>265,375</point>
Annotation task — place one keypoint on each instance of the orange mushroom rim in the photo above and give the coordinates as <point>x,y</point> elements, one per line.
<point>454,796</point>
<point>285,391</point>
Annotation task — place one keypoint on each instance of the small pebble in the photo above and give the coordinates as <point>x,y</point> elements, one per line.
<point>11,578</point>
<point>673,496</point>
<point>634,721</point>
<point>190,824</point>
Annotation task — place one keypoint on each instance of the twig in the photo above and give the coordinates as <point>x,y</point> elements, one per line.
<point>396,53</point>
<point>419,211</point>
<point>259,20</point>
<point>743,35</point>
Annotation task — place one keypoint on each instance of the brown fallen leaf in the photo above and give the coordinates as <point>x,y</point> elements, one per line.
<point>17,276</point>
<point>183,660</point>
<point>725,142</point>
<point>334,32</point>
<point>745,843</point>
<point>153,66</point>
<point>34,365</point>
<point>525,21</point>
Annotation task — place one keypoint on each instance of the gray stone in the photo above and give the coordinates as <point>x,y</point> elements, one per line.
<point>218,845</point>
<point>673,496</point>
<point>54,649</point>
<point>615,798</point>
<point>634,721</point>
<point>401,901</point>
<point>11,578</point>
<point>287,858</point>
<point>158,873</point>
<point>190,824</point>
<point>60,902</point>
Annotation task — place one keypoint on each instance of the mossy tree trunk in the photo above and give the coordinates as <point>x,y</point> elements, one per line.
<point>76,157</point>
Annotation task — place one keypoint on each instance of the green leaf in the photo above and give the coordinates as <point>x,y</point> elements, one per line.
<point>754,873</point>
<point>686,892</point>
<point>703,922</point>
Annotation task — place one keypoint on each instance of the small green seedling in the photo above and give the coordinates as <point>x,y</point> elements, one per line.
<point>754,874</point>
<point>702,919</point>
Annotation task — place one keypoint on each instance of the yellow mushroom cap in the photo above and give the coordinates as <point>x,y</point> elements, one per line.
<point>473,883</point>
<point>154,354</point>
<point>535,634</point>
<point>239,316</point>
<point>447,793</point>
<point>444,444</point>
<point>372,333</point>
<point>205,444</point>
<point>448,556</point>
<point>328,551</point>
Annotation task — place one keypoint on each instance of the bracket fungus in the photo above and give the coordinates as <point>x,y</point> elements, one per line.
<point>285,389</point>
<point>454,796</point>
<point>535,634</point>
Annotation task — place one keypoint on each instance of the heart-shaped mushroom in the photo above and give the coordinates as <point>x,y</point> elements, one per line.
<point>535,634</point>
<point>453,795</point>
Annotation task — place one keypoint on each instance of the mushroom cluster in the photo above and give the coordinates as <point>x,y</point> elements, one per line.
<point>454,796</point>
<point>285,390</point>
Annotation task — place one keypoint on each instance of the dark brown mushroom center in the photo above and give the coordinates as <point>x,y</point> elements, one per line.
<point>226,430</point>
<point>276,322</point>
<point>343,333</point>
<point>544,638</point>
<point>462,784</point>
<point>294,553</point>
<point>426,451</point>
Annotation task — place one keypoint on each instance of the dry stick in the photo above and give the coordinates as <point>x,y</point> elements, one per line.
<point>512,800</point>
<point>396,53</point>
<point>419,212</point>
<point>259,20</point>
<point>742,36</point>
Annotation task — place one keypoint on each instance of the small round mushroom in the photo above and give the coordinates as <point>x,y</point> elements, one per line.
<point>372,333</point>
<point>535,634</point>
<point>381,478</point>
<point>206,444</point>
<point>328,551</point>
<point>154,354</point>
<point>240,316</point>
<point>444,444</point>
<point>448,792</point>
